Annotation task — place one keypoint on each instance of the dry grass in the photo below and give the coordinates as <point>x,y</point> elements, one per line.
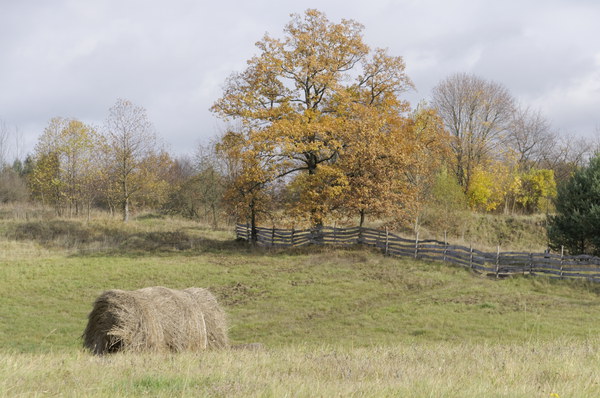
<point>108,235</point>
<point>562,367</point>
<point>155,319</point>
<point>334,322</point>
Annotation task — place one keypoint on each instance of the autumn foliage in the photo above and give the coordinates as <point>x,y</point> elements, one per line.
<point>318,131</point>
<point>322,112</point>
<point>76,166</point>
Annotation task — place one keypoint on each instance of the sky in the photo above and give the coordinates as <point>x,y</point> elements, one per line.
<point>75,58</point>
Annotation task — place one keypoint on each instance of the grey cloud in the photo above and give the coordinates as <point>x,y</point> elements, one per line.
<point>76,58</point>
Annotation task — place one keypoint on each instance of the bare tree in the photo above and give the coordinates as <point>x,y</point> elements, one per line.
<point>477,114</point>
<point>566,154</point>
<point>530,136</point>
<point>12,185</point>
<point>130,139</point>
<point>18,145</point>
<point>3,144</point>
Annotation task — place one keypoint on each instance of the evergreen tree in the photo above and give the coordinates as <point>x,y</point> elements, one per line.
<point>576,225</point>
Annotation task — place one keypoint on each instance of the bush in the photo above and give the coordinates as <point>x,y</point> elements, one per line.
<point>12,187</point>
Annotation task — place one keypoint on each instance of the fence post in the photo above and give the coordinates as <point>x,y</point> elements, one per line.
<point>248,232</point>
<point>497,261</point>
<point>273,236</point>
<point>387,240</point>
<point>562,255</point>
<point>445,244</point>
<point>530,263</point>
<point>335,233</point>
<point>293,236</point>
<point>471,255</point>
<point>417,244</point>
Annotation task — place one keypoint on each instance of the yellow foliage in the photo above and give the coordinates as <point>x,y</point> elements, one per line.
<point>322,112</point>
<point>486,191</point>
<point>534,189</point>
<point>66,168</point>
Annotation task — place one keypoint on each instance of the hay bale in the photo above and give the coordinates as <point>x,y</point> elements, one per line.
<point>155,319</point>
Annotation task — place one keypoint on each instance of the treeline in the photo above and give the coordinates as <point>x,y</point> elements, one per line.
<point>118,166</point>
<point>319,132</point>
<point>323,133</point>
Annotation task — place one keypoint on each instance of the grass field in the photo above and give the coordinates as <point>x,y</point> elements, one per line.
<point>335,322</point>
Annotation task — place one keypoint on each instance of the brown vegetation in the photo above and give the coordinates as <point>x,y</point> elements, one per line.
<point>155,319</point>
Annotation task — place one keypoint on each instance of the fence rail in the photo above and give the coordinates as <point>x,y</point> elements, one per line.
<point>499,264</point>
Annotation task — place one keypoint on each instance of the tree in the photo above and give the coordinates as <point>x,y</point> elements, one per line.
<point>44,180</point>
<point>427,154</point>
<point>530,137</point>
<point>13,187</point>
<point>297,100</point>
<point>576,226</point>
<point>210,181</point>
<point>534,190</point>
<point>131,141</point>
<point>477,114</point>
<point>565,155</point>
<point>3,144</point>
<point>446,202</point>
<point>153,180</point>
<point>182,198</point>
<point>66,166</point>
<point>247,178</point>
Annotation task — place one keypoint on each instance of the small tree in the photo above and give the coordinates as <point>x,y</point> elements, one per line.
<point>132,154</point>
<point>72,148</point>
<point>447,202</point>
<point>576,226</point>
<point>247,178</point>
<point>535,189</point>
<point>44,180</point>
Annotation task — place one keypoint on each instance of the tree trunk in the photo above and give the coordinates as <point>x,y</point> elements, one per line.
<point>253,230</point>
<point>126,209</point>
<point>417,224</point>
<point>362,218</point>
<point>214,215</point>
<point>315,217</point>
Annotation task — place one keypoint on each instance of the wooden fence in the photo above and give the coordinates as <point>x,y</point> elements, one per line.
<point>498,264</point>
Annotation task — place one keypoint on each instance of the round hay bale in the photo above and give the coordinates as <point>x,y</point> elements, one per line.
<point>155,319</point>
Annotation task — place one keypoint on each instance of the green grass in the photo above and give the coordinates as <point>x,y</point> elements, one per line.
<point>359,316</point>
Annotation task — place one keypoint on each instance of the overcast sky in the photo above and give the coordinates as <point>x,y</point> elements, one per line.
<point>74,58</point>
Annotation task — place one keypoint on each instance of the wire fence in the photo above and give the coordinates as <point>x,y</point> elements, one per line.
<point>498,264</point>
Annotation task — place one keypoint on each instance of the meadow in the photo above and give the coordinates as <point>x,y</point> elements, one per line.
<point>333,321</point>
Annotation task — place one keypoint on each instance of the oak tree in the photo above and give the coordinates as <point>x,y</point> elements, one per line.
<point>300,98</point>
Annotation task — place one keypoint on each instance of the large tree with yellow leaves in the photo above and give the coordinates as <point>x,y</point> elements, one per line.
<point>324,111</point>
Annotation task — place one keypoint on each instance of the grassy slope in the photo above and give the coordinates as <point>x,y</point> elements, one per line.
<point>317,303</point>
